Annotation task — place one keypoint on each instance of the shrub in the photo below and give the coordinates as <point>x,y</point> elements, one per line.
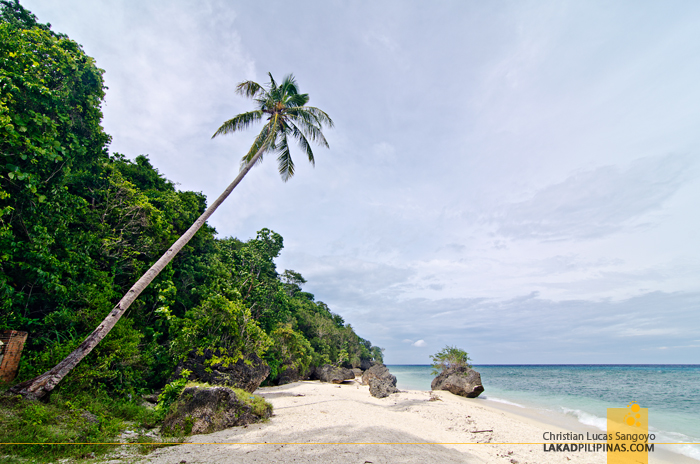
<point>223,326</point>
<point>449,357</point>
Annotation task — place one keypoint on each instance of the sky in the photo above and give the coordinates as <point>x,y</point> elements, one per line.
<point>516,178</point>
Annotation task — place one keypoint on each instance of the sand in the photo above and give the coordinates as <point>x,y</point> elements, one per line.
<point>317,422</point>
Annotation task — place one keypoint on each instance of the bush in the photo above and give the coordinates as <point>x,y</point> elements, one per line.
<point>223,326</point>
<point>290,350</point>
<point>449,357</point>
<point>79,425</point>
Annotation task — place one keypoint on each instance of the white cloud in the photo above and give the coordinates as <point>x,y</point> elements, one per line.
<point>420,343</point>
<point>593,203</point>
<point>482,152</point>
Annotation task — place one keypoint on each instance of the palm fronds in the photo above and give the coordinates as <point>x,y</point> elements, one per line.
<point>288,116</point>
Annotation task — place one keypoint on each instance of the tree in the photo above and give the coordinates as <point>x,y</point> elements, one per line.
<point>449,357</point>
<point>287,116</point>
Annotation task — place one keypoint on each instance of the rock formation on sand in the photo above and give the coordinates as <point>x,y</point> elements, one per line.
<point>246,373</point>
<point>210,409</point>
<point>381,388</point>
<point>289,375</point>
<point>461,381</point>
<point>333,374</point>
<point>381,382</point>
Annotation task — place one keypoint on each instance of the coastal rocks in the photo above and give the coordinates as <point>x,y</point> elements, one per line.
<point>209,409</point>
<point>292,374</point>
<point>246,373</point>
<point>288,375</point>
<point>381,382</point>
<point>379,371</point>
<point>461,381</point>
<point>333,374</point>
<point>365,364</point>
<point>357,372</point>
<point>381,388</point>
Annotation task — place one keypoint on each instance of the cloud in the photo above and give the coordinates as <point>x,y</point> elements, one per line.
<point>350,280</point>
<point>531,329</point>
<point>480,153</point>
<point>595,203</point>
<point>420,344</point>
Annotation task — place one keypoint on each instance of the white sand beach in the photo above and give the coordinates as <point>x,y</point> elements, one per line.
<point>316,422</point>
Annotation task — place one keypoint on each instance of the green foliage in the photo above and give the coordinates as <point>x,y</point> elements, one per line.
<point>171,392</point>
<point>63,420</point>
<point>223,326</point>
<point>449,357</point>
<point>257,404</point>
<point>287,117</point>
<point>377,354</point>
<point>290,350</point>
<point>79,225</point>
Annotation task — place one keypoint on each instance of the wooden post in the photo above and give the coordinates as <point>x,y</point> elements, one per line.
<point>13,343</point>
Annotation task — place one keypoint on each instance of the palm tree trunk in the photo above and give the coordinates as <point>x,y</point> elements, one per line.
<point>42,385</point>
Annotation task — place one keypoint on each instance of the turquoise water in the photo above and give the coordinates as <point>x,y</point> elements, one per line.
<point>671,392</point>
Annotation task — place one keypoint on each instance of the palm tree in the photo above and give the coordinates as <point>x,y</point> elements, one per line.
<point>287,116</point>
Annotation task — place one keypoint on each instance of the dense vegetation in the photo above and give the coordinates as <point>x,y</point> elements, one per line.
<point>79,225</point>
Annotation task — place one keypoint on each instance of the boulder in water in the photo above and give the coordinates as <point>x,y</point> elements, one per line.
<point>462,381</point>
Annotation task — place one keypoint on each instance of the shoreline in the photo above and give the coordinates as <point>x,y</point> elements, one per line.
<point>553,419</point>
<point>325,423</point>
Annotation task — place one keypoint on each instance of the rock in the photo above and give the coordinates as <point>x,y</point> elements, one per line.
<point>357,372</point>
<point>381,382</point>
<point>151,398</point>
<point>365,364</point>
<point>313,373</point>
<point>246,373</point>
<point>209,409</point>
<point>380,388</point>
<point>461,381</point>
<point>334,374</point>
<point>290,375</point>
<point>89,417</point>
<point>379,371</point>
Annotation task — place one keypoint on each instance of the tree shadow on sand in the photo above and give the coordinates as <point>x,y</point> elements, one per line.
<point>338,444</point>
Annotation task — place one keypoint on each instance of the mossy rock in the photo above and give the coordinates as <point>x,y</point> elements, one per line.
<point>205,409</point>
<point>461,381</point>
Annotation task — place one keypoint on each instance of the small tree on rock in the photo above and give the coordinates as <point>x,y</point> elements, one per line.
<point>449,357</point>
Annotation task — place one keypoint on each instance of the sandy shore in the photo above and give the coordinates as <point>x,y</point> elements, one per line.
<point>315,422</point>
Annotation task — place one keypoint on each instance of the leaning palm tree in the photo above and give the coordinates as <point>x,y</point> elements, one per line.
<point>287,117</point>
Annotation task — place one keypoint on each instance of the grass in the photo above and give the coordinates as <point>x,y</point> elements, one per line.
<point>94,418</point>
<point>257,404</point>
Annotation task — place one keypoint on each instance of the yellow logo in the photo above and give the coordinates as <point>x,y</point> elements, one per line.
<point>628,435</point>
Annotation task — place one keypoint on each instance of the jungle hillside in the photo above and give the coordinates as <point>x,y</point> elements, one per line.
<point>79,224</point>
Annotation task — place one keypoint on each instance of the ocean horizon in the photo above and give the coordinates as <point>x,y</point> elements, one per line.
<point>585,391</point>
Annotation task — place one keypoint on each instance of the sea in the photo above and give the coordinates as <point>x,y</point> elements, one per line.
<point>584,392</point>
